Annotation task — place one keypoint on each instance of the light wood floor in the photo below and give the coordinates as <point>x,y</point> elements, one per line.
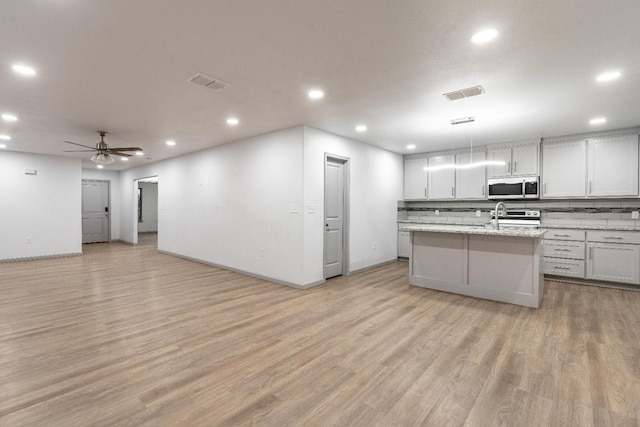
<point>127,336</point>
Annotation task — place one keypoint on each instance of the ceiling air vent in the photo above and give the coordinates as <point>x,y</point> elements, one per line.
<point>464,93</point>
<point>208,81</point>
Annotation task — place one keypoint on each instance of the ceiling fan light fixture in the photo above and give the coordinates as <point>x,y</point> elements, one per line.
<point>102,159</point>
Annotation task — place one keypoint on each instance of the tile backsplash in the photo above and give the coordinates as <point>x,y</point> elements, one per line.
<point>614,212</point>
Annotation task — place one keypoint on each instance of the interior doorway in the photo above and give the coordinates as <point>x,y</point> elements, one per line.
<point>96,224</point>
<point>146,211</point>
<point>336,216</point>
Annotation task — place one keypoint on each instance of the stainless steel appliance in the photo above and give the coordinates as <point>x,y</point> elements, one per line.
<point>524,187</point>
<point>522,218</point>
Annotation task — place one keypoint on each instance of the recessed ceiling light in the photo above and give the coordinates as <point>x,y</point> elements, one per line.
<point>170,142</point>
<point>232,121</point>
<point>139,153</point>
<point>316,94</point>
<point>5,137</point>
<point>597,121</point>
<point>3,146</point>
<point>124,159</point>
<point>411,147</point>
<point>9,118</point>
<point>361,128</point>
<point>608,76</point>
<point>485,36</point>
<point>100,166</point>
<point>24,70</point>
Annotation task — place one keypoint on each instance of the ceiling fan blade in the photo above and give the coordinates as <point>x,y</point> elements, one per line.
<point>81,145</point>
<point>118,154</point>
<point>125,148</point>
<point>79,151</point>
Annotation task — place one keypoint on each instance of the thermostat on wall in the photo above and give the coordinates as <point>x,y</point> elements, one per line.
<point>30,172</point>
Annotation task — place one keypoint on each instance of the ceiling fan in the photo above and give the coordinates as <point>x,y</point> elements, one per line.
<point>102,152</point>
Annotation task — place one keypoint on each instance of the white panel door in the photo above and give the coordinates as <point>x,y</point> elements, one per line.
<point>415,178</point>
<point>502,155</point>
<point>524,160</point>
<point>470,183</point>
<point>441,183</point>
<point>334,218</point>
<point>613,166</point>
<point>95,211</point>
<point>614,263</point>
<point>564,168</point>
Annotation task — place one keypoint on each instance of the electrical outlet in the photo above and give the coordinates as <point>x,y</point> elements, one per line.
<point>635,215</point>
<point>478,213</point>
<point>437,212</point>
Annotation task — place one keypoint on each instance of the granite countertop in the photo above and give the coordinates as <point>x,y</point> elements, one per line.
<point>542,226</point>
<point>475,229</point>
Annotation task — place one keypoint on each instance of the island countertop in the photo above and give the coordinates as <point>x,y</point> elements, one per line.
<point>476,229</point>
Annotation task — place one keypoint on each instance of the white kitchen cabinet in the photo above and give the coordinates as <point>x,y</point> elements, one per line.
<point>470,183</point>
<point>441,182</point>
<point>404,244</point>
<point>613,262</point>
<point>520,160</point>
<point>564,169</point>
<point>564,253</point>
<point>415,178</point>
<point>613,166</point>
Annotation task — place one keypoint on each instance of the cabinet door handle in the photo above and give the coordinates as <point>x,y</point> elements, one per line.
<point>561,235</point>
<point>425,192</point>
<point>515,166</point>
<point>509,167</point>
<point>613,237</point>
<point>483,189</point>
<point>591,252</point>
<point>544,188</point>
<point>453,191</point>
<point>562,250</point>
<point>557,267</point>
<point>589,187</point>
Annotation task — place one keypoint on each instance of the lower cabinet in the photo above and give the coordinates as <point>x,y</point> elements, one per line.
<point>564,253</point>
<point>612,256</point>
<point>404,244</point>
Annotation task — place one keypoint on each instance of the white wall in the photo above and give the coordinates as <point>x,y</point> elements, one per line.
<point>45,208</point>
<point>149,207</point>
<point>114,195</point>
<point>376,186</point>
<point>230,205</point>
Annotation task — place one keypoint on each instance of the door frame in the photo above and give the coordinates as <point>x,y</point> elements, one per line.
<point>346,194</point>
<point>134,212</point>
<point>108,205</point>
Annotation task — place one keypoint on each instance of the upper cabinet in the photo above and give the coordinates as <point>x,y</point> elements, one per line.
<point>613,166</point>
<point>470,182</point>
<point>564,169</point>
<point>415,178</point>
<point>441,182</point>
<point>519,160</point>
<point>597,167</point>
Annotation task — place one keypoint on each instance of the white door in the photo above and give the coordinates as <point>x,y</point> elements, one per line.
<point>524,160</point>
<point>615,263</point>
<point>95,211</point>
<point>334,213</point>
<point>470,182</point>
<point>564,169</point>
<point>415,178</point>
<point>441,182</point>
<point>613,166</point>
<point>501,155</point>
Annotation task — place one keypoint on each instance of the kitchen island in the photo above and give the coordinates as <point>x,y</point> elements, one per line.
<point>500,265</point>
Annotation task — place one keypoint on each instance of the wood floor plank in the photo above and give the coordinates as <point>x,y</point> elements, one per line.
<point>127,336</point>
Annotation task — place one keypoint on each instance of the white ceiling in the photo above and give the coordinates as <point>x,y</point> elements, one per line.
<point>123,65</point>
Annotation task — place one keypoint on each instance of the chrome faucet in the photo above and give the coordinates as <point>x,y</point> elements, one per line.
<point>496,223</point>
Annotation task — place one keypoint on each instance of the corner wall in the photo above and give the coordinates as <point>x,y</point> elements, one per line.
<point>376,186</point>
<point>40,215</point>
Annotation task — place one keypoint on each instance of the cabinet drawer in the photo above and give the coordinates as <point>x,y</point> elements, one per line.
<point>560,249</point>
<point>572,268</point>
<point>614,236</point>
<point>557,234</point>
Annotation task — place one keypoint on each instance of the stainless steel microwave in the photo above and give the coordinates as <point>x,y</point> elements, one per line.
<point>523,187</point>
